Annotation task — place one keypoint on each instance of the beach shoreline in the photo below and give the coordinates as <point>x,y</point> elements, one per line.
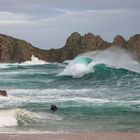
<point>71,136</point>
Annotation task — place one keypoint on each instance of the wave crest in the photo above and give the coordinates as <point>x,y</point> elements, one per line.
<point>111,59</point>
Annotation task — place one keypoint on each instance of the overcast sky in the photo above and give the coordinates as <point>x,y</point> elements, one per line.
<point>47,23</point>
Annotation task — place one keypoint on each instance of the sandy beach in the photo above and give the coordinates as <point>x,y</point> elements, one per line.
<point>71,136</point>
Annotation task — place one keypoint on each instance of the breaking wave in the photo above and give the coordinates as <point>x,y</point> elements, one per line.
<point>111,59</point>
<point>15,117</point>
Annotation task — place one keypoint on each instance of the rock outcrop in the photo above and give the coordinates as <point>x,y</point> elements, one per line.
<point>119,41</point>
<point>77,44</point>
<point>3,93</point>
<point>133,44</point>
<point>16,50</point>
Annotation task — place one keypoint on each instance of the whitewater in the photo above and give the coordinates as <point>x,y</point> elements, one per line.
<point>96,91</point>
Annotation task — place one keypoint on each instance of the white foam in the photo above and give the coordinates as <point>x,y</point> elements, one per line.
<point>3,65</point>
<point>18,97</point>
<point>76,70</point>
<point>85,99</point>
<point>7,119</point>
<point>13,116</point>
<point>34,61</point>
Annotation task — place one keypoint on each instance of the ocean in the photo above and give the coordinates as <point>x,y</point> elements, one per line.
<point>95,92</point>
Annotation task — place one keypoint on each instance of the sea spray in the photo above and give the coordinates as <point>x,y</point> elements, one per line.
<point>118,58</point>
<point>34,61</point>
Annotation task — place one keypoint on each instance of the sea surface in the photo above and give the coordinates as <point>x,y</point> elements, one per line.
<point>96,91</point>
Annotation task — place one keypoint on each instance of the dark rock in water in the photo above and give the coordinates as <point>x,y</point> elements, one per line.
<point>53,107</point>
<point>3,93</point>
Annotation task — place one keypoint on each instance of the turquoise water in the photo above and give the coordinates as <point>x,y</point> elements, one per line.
<point>100,95</point>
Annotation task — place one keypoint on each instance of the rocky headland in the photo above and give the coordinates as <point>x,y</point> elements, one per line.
<point>14,50</point>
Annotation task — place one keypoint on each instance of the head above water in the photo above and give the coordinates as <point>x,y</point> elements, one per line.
<point>53,107</point>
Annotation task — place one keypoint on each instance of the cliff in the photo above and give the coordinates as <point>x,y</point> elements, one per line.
<point>16,50</point>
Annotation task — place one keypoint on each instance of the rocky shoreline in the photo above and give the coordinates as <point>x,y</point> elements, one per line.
<point>14,50</point>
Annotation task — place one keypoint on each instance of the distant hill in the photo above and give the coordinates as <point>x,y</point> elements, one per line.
<point>16,50</point>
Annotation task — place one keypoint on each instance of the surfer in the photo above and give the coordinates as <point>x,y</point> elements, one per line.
<point>53,107</point>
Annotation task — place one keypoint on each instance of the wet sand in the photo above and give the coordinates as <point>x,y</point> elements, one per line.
<point>71,136</point>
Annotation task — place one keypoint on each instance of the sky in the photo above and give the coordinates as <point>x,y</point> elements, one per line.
<point>47,23</point>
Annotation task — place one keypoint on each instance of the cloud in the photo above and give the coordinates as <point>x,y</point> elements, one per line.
<point>47,23</point>
<point>112,12</point>
<point>41,6</point>
<point>91,18</point>
<point>9,18</point>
